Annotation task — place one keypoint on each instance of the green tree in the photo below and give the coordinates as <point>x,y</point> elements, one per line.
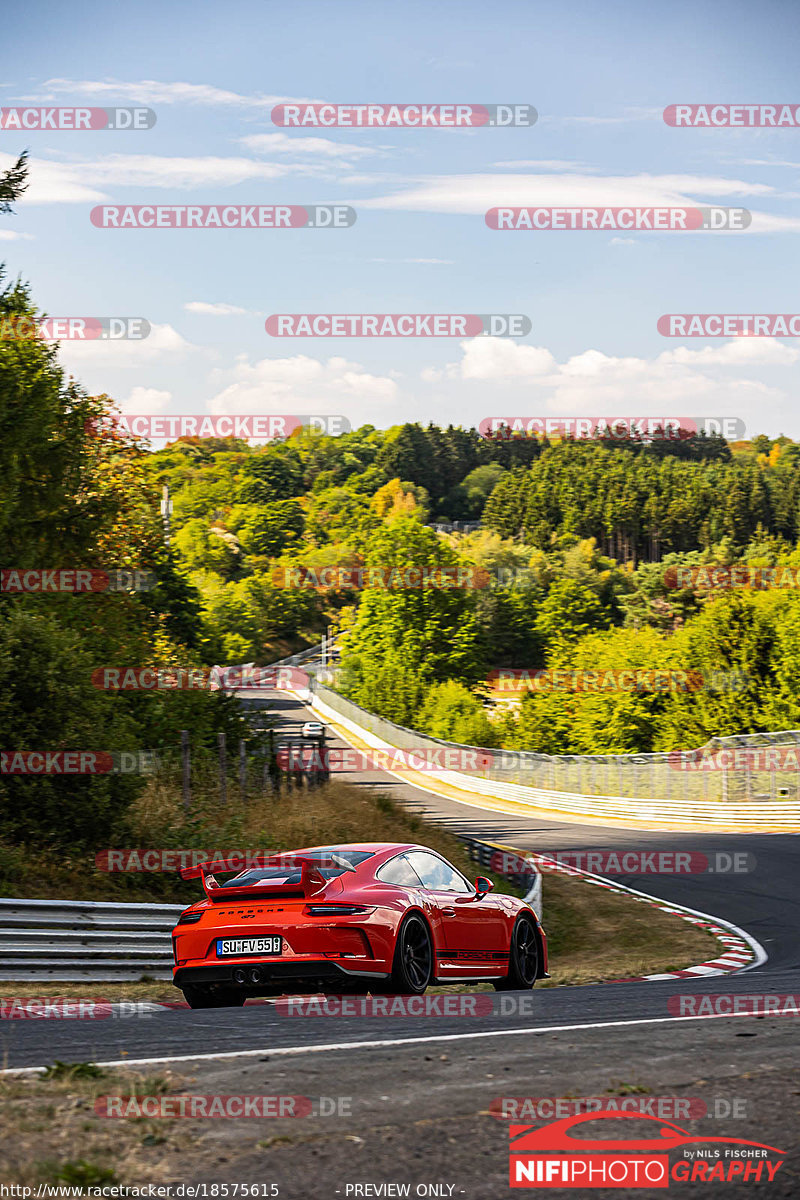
<point>454,714</point>
<point>14,183</point>
<point>567,613</point>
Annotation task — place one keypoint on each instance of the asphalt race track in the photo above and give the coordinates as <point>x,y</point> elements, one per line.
<point>417,1090</point>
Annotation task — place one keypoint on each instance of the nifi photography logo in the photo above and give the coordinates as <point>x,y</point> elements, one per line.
<point>561,1155</point>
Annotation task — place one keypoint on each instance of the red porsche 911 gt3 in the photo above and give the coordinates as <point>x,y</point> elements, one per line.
<point>372,917</point>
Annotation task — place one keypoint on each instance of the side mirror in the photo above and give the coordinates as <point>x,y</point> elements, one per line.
<point>483,885</point>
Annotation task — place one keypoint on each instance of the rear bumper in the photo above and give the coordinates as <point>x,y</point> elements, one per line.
<point>273,974</point>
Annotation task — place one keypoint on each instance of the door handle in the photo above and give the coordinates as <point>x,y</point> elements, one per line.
<point>448,912</point>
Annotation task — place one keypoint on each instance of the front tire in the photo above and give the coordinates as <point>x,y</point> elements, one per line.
<point>523,958</point>
<point>209,997</point>
<point>412,966</point>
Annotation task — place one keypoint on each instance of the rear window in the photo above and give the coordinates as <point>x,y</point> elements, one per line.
<point>291,874</point>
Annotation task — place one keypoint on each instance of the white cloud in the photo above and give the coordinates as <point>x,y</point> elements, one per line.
<point>678,381</point>
<point>79,182</point>
<point>10,235</point>
<point>284,143</point>
<point>593,364</point>
<point>475,194</point>
<point>152,92</point>
<point>544,164</point>
<point>152,170</point>
<point>370,180</point>
<point>164,342</point>
<point>53,183</point>
<point>146,400</point>
<point>766,162</point>
<point>301,384</point>
<point>215,310</point>
<point>501,358</point>
<point>738,351</point>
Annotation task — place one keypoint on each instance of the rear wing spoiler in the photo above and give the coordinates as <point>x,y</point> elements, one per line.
<point>311,878</point>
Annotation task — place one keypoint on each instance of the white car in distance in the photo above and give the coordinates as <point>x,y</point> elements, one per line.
<point>313,729</point>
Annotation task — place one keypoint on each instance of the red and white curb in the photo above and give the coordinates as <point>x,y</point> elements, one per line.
<point>741,951</point>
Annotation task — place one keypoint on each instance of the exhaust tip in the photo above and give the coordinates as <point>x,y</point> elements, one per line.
<point>255,975</point>
<point>240,976</point>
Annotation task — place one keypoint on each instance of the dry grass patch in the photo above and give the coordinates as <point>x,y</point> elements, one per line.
<point>53,1135</point>
<point>595,935</point>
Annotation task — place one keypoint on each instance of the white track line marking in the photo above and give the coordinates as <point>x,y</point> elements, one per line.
<point>387,1043</point>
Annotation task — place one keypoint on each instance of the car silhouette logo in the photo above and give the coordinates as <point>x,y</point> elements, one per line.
<point>525,1139</point>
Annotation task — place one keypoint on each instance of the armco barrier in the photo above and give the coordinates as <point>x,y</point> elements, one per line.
<point>71,940</point>
<point>639,790</point>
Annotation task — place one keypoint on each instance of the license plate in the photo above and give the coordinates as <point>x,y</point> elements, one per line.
<point>239,947</point>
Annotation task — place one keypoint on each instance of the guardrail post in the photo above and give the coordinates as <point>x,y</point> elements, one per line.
<point>186,767</point>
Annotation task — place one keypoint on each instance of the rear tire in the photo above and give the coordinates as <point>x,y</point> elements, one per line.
<point>523,958</point>
<point>412,967</point>
<point>212,997</point>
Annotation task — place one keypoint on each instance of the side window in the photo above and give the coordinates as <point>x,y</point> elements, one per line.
<point>436,874</point>
<point>400,872</point>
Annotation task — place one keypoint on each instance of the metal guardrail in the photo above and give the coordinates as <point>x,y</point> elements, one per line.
<point>71,940</point>
<point>678,778</point>
<point>651,790</point>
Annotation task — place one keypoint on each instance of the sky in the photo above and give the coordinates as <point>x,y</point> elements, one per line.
<point>599,77</point>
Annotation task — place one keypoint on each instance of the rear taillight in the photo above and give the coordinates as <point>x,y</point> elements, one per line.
<point>336,910</point>
<point>189,918</point>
